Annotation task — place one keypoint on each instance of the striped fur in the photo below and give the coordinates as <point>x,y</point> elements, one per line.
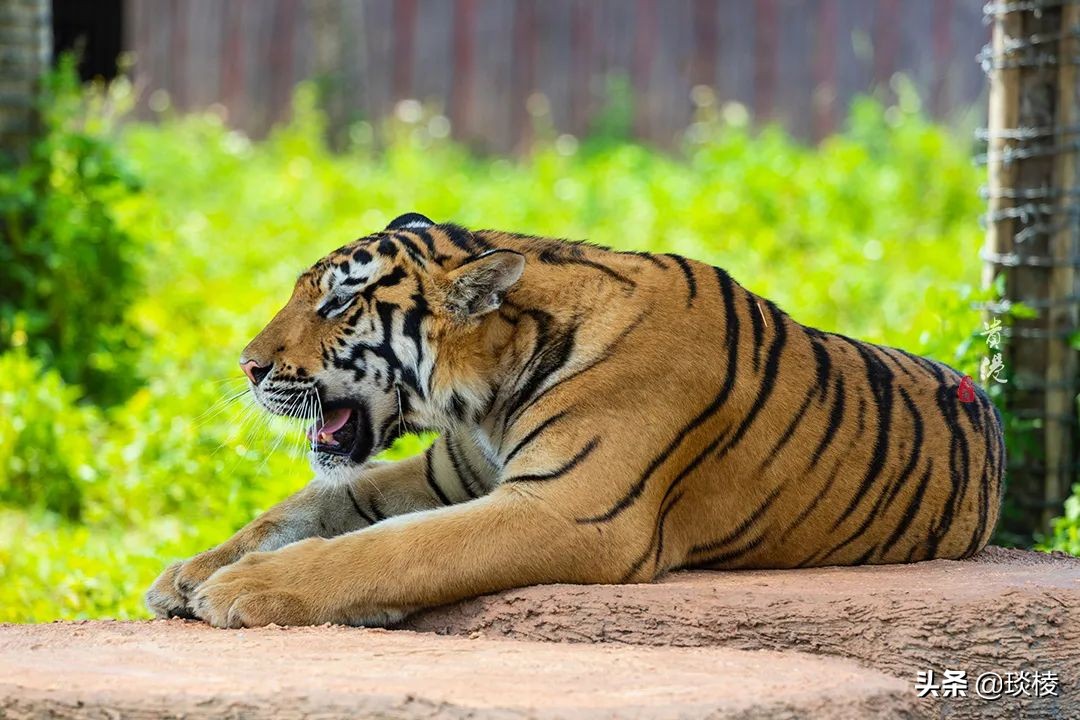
<point>606,417</point>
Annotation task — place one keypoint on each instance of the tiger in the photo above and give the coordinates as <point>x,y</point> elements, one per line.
<point>602,416</point>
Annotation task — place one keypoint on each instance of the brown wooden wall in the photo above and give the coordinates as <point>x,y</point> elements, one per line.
<point>798,62</point>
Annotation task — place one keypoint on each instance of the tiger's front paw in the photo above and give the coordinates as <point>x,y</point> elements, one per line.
<point>260,589</point>
<point>171,594</point>
<point>164,600</point>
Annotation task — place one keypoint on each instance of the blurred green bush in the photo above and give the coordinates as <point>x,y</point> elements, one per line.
<point>872,233</point>
<point>1067,527</point>
<point>67,270</point>
<point>47,442</point>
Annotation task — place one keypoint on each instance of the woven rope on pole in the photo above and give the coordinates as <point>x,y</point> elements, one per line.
<point>1032,250</point>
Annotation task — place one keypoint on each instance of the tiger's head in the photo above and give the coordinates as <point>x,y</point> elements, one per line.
<point>385,335</point>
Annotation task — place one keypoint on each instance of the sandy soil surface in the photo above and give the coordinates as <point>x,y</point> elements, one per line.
<point>829,643</point>
<point>184,668</point>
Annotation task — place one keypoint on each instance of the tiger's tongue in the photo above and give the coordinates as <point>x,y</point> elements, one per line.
<point>333,422</point>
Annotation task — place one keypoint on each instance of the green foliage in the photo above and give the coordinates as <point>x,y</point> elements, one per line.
<point>46,443</point>
<point>1067,527</point>
<point>53,569</point>
<point>872,234</point>
<point>67,271</point>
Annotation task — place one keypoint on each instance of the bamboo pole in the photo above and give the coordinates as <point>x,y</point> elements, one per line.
<point>1031,240</point>
<point>25,26</point>
<point>1004,114</point>
<point>1062,313</point>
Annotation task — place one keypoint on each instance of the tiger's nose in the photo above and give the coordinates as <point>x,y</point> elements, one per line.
<point>255,372</point>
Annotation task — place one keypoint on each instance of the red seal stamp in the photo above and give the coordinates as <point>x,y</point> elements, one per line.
<point>966,391</point>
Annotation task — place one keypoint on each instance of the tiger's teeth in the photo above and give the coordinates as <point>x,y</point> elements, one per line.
<point>327,439</point>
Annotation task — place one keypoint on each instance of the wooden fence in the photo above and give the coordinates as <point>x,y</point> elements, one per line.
<point>797,62</point>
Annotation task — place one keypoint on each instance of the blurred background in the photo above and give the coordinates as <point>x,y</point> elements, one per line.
<point>495,68</point>
<point>169,166</point>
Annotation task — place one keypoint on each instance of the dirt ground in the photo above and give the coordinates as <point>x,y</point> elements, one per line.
<point>828,643</point>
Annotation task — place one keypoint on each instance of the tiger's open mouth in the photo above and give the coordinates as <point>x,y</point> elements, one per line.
<point>338,432</point>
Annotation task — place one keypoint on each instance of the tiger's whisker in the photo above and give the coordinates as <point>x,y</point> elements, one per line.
<point>217,408</point>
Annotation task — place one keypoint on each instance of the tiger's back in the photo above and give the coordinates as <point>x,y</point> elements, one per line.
<point>750,440</point>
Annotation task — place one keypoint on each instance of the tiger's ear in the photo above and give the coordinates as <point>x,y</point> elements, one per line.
<point>410,221</point>
<point>478,286</point>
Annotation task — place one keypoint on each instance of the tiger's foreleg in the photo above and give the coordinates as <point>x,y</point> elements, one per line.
<point>515,536</point>
<point>321,509</point>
